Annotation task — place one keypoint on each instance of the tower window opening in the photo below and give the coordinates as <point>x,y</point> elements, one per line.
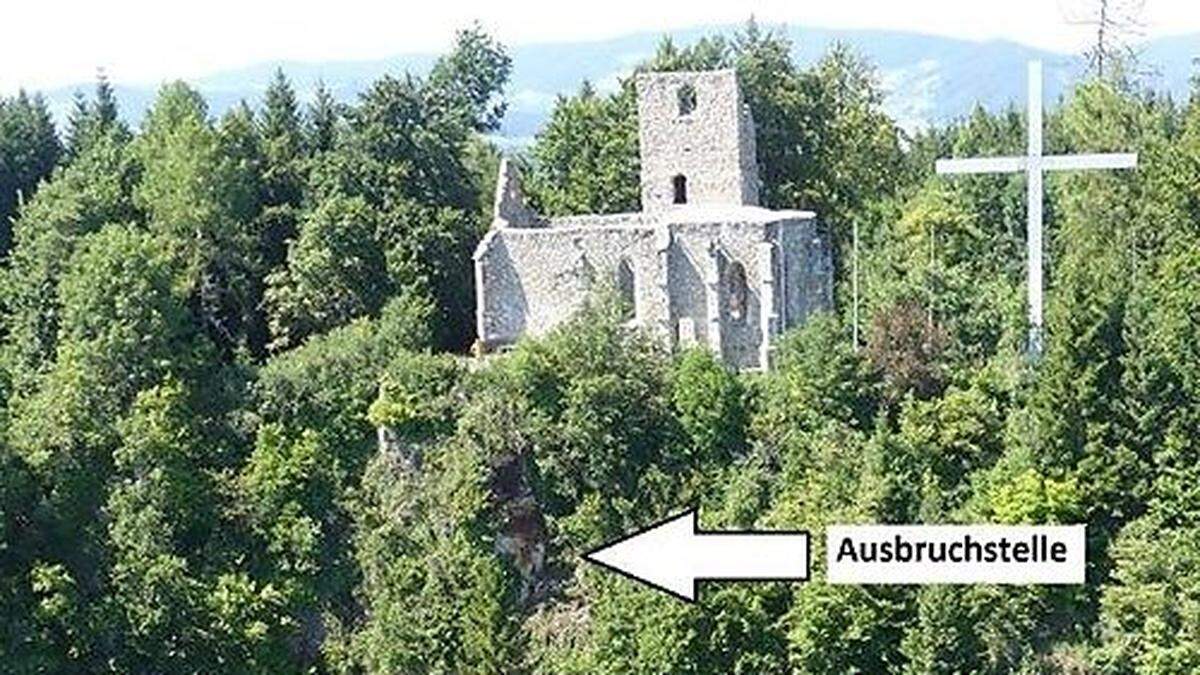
<point>627,290</point>
<point>687,99</point>
<point>736,292</point>
<point>680,188</point>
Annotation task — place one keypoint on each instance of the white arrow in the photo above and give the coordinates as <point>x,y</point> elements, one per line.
<point>673,554</point>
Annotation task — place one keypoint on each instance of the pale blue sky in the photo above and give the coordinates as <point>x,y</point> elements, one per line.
<point>51,42</point>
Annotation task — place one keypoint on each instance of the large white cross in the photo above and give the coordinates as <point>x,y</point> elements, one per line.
<point>1033,164</point>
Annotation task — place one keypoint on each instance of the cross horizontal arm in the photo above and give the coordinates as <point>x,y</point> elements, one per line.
<point>1115,160</point>
<point>981,165</point>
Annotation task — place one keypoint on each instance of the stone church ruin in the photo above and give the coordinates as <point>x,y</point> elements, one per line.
<point>701,264</point>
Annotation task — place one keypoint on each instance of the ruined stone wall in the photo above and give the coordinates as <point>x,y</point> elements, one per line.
<point>701,277</point>
<point>709,145</point>
<point>636,219</point>
<point>808,283</point>
<point>533,279</point>
<point>509,208</point>
<point>748,156</point>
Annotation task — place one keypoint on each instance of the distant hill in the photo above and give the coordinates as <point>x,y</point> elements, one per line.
<point>927,78</point>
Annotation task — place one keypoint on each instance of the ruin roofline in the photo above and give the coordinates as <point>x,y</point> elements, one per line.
<point>685,74</point>
<point>691,214</point>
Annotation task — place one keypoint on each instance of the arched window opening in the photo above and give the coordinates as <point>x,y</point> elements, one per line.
<point>736,292</point>
<point>687,99</point>
<point>627,290</point>
<point>679,183</point>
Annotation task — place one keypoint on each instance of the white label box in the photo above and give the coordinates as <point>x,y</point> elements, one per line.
<point>956,554</point>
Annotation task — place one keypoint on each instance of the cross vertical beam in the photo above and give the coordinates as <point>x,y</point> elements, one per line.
<point>1034,163</point>
<point>1033,198</point>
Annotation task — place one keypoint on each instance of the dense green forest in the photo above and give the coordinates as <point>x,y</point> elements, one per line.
<point>240,432</point>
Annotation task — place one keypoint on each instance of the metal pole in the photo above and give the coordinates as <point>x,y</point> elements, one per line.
<point>854,284</point>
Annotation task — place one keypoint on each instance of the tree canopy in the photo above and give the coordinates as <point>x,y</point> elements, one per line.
<point>239,430</point>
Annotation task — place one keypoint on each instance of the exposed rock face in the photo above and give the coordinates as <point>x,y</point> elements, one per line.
<point>700,265</point>
<point>406,455</point>
<point>522,533</point>
<point>520,529</point>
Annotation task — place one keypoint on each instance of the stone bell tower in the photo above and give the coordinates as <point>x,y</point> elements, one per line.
<point>696,140</point>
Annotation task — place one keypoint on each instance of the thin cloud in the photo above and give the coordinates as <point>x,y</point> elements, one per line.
<point>139,41</point>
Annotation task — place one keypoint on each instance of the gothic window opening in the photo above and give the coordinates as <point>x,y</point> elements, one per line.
<point>680,187</point>
<point>735,292</point>
<point>687,100</point>
<point>626,289</point>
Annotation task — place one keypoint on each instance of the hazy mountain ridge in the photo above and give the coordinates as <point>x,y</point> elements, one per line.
<point>928,78</point>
